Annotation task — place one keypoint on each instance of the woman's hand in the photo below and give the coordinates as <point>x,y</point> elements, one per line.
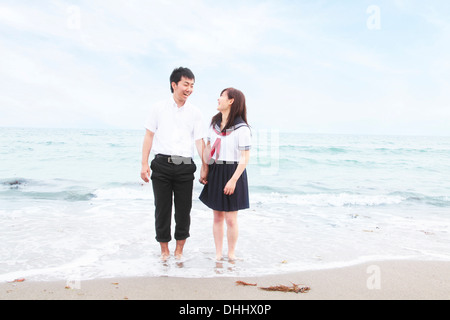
<point>229,187</point>
<point>204,174</point>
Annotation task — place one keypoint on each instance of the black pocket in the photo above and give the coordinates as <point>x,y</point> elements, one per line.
<point>151,164</point>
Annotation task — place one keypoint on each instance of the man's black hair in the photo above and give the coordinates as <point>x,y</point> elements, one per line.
<point>178,73</point>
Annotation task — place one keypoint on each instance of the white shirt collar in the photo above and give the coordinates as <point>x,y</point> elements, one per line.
<point>175,105</point>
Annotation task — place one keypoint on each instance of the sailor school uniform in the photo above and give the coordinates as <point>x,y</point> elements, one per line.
<point>226,148</point>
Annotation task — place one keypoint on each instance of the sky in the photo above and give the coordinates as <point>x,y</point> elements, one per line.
<point>344,67</point>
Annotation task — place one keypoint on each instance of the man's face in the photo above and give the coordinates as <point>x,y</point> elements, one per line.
<point>183,89</point>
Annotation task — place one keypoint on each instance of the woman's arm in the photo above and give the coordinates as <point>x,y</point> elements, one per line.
<point>231,185</point>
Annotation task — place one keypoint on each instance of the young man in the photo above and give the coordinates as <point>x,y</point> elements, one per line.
<point>173,127</point>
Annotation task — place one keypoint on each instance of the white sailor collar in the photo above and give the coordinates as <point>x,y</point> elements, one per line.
<point>238,123</point>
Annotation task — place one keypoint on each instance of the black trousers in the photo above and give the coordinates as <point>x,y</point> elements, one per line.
<point>172,181</point>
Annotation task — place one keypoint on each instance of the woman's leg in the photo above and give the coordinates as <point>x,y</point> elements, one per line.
<point>232,233</point>
<point>219,217</point>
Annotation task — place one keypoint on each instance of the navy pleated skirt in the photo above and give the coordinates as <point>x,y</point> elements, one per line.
<point>212,194</point>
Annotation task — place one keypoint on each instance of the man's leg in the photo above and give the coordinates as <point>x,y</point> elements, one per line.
<point>162,190</point>
<point>183,203</point>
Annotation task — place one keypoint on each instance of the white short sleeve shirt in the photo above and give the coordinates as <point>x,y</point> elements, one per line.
<point>230,146</point>
<point>176,129</point>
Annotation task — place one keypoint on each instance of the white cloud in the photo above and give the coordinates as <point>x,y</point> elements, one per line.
<point>87,72</point>
<point>309,64</point>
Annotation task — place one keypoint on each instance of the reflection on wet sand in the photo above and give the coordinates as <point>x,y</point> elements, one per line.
<point>219,267</point>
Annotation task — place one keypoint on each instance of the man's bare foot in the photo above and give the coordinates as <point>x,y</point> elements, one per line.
<point>165,253</point>
<point>179,249</point>
<point>164,257</point>
<point>178,256</point>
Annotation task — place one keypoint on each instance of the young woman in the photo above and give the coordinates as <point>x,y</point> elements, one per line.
<point>228,152</point>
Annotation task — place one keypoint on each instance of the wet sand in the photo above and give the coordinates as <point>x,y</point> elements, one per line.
<point>387,280</point>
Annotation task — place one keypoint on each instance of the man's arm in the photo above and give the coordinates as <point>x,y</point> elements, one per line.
<point>201,149</point>
<point>146,148</point>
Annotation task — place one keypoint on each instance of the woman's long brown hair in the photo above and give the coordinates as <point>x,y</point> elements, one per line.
<point>238,109</point>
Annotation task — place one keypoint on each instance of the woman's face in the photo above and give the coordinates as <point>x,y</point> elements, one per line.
<point>224,102</point>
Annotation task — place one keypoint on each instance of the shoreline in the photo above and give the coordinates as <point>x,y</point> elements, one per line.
<point>377,280</point>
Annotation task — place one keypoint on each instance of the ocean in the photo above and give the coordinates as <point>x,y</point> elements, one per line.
<point>73,207</point>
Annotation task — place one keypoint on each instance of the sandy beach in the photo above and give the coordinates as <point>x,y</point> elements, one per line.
<point>386,280</point>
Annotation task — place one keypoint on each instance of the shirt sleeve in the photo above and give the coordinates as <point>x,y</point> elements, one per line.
<point>200,130</point>
<point>245,138</point>
<point>209,136</point>
<point>151,123</point>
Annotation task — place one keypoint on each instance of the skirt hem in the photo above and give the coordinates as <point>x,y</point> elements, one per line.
<point>212,194</point>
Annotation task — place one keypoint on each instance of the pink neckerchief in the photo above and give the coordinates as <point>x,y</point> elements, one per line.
<point>216,146</point>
